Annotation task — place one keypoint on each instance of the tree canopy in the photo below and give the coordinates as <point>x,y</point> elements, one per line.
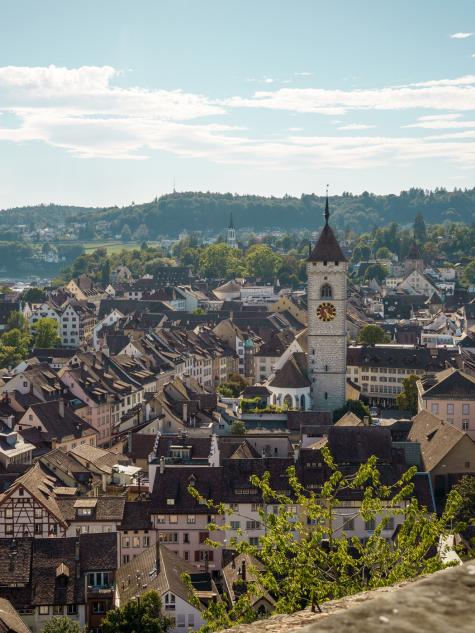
<point>142,615</point>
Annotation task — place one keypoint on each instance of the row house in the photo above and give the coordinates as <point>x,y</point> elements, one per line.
<point>380,369</point>
<point>107,390</point>
<point>245,344</point>
<point>71,577</point>
<point>75,321</point>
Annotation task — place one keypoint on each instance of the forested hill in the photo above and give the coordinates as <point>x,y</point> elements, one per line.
<point>172,213</point>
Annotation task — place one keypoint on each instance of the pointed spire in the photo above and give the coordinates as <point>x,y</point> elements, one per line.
<point>231,223</point>
<point>326,215</point>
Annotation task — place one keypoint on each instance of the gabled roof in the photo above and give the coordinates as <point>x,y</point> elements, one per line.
<point>293,374</point>
<point>10,621</point>
<point>435,437</point>
<point>105,508</point>
<point>349,419</point>
<point>452,383</point>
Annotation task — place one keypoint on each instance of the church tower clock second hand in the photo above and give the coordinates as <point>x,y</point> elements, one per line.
<point>326,333</point>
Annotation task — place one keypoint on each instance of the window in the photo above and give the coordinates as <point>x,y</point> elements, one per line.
<point>254,540</point>
<point>450,409</point>
<point>326,291</point>
<point>180,620</point>
<point>389,523</point>
<point>43,609</point>
<point>370,525</point>
<point>9,529</point>
<point>136,541</point>
<point>204,555</point>
<point>146,541</point>
<point>465,424</point>
<point>125,541</point>
<point>186,537</point>
<point>191,518</point>
<point>203,536</point>
<point>57,609</point>
<point>160,518</point>
<point>434,407</point>
<point>173,518</point>
<point>38,528</point>
<point>98,579</point>
<point>465,409</point>
<point>191,620</point>
<point>125,558</point>
<point>168,537</point>
<point>9,513</point>
<point>235,525</point>
<point>169,602</point>
<point>252,525</point>
<point>98,607</point>
<point>348,524</point>
<point>467,464</point>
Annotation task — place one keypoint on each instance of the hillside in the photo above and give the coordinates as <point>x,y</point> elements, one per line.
<point>193,211</point>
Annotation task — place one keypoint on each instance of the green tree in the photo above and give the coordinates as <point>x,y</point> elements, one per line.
<point>215,259</point>
<point>307,558</point>
<point>466,489</point>
<point>407,399</point>
<point>372,334</point>
<point>9,356</point>
<point>126,233</point>
<point>62,624</point>
<point>469,273</point>
<point>238,428</point>
<point>142,615</point>
<point>18,339</point>
<point>355,406</point>
<point>105,272</point>
<point>34,295</point>
<point>262,262</point>
<point>45,333</point>
<point>17,321</point>
<point>420,229</point>
<point>383,253</point>
<point>376,271</point>
<point>142,233</point>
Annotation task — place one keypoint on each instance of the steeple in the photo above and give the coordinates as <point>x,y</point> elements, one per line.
<point>231,235</point>
<point>327,247</point>
<point>326,215</point>
<point>231,223</point>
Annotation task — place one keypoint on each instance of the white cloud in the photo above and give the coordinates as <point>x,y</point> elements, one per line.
<point>268,80</point>
<point>86,113</point>
<point>356,126</point>
<point>461,35</point>
<point>442,94</point>
<point>304,74</point>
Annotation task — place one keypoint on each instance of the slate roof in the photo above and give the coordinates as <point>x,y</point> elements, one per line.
<point>401,357</point>
<point>296,420</point>
<point>293,374</point>
<point>108,508</point>
<point>157,568</point>
<point>136,516</point>
<point>327,248</point>
<point>58,426</point>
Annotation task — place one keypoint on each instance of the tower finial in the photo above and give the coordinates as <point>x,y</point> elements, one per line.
<point>327,211</point>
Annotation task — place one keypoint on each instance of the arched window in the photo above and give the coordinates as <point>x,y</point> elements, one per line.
<point>302,402</point>
<point>326,291</point>
<point>288,401</point>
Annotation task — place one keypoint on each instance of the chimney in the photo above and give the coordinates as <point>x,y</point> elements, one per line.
<point>243,571</point>
<point>61,407</point>
<point>162,465</point>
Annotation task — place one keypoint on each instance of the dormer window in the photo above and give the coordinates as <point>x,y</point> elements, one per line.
<point>170,502</point>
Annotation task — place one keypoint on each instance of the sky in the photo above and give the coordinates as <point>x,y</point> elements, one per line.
<point>106,102</point>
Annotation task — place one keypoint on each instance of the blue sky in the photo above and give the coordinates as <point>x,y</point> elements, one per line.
<point>108,101</point>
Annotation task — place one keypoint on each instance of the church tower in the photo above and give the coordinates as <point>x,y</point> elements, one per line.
<point>231,236</point>
<point>326,333</point>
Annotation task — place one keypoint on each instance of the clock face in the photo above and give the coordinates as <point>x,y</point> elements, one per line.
<point>326,311</point>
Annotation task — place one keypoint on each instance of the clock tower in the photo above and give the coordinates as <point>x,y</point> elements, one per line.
<point>326,333</point>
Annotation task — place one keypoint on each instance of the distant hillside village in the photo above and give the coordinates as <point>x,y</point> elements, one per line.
<point>139,397</point>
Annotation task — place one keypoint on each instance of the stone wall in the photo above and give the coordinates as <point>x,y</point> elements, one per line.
<point>441,603</point>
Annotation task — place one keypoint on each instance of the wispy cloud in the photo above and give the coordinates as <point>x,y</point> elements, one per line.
<point>83,112</point>
<point>356,126</point>
<point>461,35</point>
<point>302,74</point>
<point>440,94</point>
